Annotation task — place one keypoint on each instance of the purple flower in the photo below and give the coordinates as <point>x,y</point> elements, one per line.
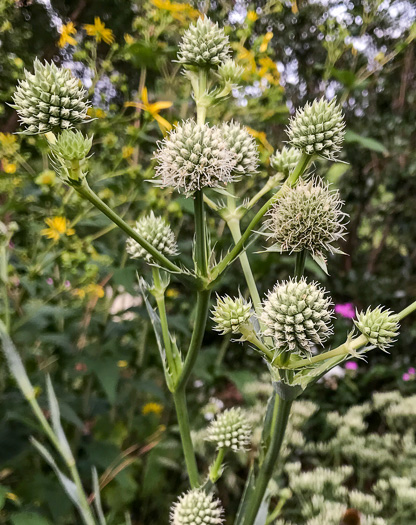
<point>412,371</point>
<point>49,281</point>
<point>351,365</point>
<point>67,284</point>
<point>406,377</point>
<point>346,310</point>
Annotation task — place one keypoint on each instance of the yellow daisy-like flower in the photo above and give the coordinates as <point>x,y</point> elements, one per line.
<point>268,70</point>
<point>177,10</point>
<point>247,57</point>
<point>122,363</point>
<point>57,226</point>
<point>66,31</point>
<point>252,16</point>
<point>261,137</point>
<point>96,113</point>
<point>95,290</point>
<point>265,41</point>
<point>8,144</point>
<point>46,177</point>
<point>9,167</point>
<point>153,109</point>
<point>99,31</point>
<point>127,151</point>
<point>152,408</point>
<point>129,39</point>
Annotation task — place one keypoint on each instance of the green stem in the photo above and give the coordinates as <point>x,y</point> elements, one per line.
<point>281,412</point>
<point>4,283</point>
<point>201,257</point>
<point>215,470</point>
<point>300,264</point>
<point>250,336</point>
<point>408,310</point>
<point>201,110</point>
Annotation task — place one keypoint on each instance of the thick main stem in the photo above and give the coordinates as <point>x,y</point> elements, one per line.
<point>201,257</point>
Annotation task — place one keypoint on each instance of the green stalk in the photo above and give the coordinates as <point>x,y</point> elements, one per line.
<point>408,310</point>
<point>4,283</point>
<point>215,470</point>
<point>201,257</point>
<point>300,264</point>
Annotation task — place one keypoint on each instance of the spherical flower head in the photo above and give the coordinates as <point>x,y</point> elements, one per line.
<point>196,507</point>
<point>307,217</point>
<point>229,72</point>
<point>230,430</point>
<point>230,314</point>
<point>71,146</point>
<point>243,145</point>
<point>194,156</point>
<point>380,326</point>
<point>285,161</point>
<point>50,99</point>
<point>155,231</point>
<point>318,128</point>
<point>204,45</point>
<point>297,315</point>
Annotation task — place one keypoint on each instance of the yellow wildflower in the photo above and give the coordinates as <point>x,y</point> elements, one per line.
<point>66,31</point>
<point>99,31</point>
<point>265,41</point>
<point>79,292</point>
<point>252,16</point>
<point>172,293</point>
<point>122,363</point>
<point>129,39</point>
<point>47,177</point>
<point>268,70</point>
<point>154,408</point>
<point>95,290</point>
<point>57,226</point>
<point>261,137</point>
<point>127,151</point>
<point>96,113</point>
<point>153,109</point>
<point>247,57</point>
<point>295,9</point>
<point>8,144</point>
<point>11,496</point>
<point>178,10</point>
<point>9,167</point>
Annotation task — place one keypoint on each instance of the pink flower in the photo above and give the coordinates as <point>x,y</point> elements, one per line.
<point>406,377</point>
<point>351,365</point>
<point>49,281</point>
<point>67,284</point>
<point>345,310</point>
<point>412,371</point>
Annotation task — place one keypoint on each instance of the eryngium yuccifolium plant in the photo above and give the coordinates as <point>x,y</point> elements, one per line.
<point>243,145</point>
<point>230,72</point>
<point>204,45</point>
<point>297,315</point>
<point>230,430</point>
<point>196,507</point>
<point>49,99</point>
<point>194,156</point>
<point>285,161</point>
<point>307,217</point>
<point>71,145</point>
<point>380,326</point>
<point>318,128</point>
<point>230,314</point>
<point>158,233</point>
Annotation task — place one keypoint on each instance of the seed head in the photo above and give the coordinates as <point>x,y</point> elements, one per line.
<point>194,156</point>
<point>285,161</point>
<point>243,145</point>
<point>297,315</point>
<point>230,430</point>
<point>204,45</point>
<point>196,507</point>
<point>380,326</point>
<point>158,233</point>
<point>49,99</point>
<point>318,128</point>
<point>71,145</point>
<point>230,314</point>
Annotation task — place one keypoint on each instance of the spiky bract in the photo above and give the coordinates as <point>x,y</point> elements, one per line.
<point>230,72</point>
<point>230,314</point>
<point>285,161</point>
<point>318,128</point>
<point>380,326</point>
<point>71,145</point>
<point>243,145</point>
<point>230,430</point>
<point>297,315</point>
<point>49,99</point>
<point>196,507</point>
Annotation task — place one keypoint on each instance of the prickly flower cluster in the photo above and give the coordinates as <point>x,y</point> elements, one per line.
<point>71,145</point>
<point>230,72</point>
<point>196,507</point>
<point>50,98</point>
<point>380,326</point>
<point>157,232</point>
<point>285,161</point>
<point>230,430</point>
<point>230,314</point>
<point>194,156</point>
<point>243,145</point>
<point>204,44</point>
<point>308,217</point>
<point>318,128</point>
<point>297,315</point>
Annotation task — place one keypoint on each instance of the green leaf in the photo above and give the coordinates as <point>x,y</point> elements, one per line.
<point>107,373</point>
<point>336,171</point>
<point>366,142</point>
<point>28,518</point>
<point>3,492</point>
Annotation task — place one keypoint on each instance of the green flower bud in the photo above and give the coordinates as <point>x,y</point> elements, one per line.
<point>285,161</point>
<point>297,315</point>
<point>50,99</point>
<point>381,327</point>
<point>71,145</point>
<point>197,507</point>
<point>230,314</point>
<point>194,156</point>
<point>230,430</point>
<point>318,128</point>
<point>158,233</point>
<point>243,145</point>
<point>229,72</point>
<point>204,45</point>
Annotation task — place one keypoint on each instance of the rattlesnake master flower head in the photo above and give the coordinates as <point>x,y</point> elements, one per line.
<point>158,233</point>
<point>204,45</point>
<point>297,315</point>
<point>380,326</point>
<point>230,430</point>
<point>194,156</point>
<point>71,145</point>
<point>229,72</point>
<point>49,99</point>
<point>230,314</point>
<point>243,145</point>
<point>285,161</point>
<point>307,217</point>
<point>318,128</point>
<point>196,507</point>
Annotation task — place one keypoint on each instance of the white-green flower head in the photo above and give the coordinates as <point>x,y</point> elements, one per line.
<point>380,326</point>
<point>230,313</point>
<point>204,45</point>
<point>318,128</point>
<point>50,99</point>
<point>71,145</point>
<point>285,161</point>
<point>243,145</point>
<point>196,507</point>
<point>230,430</point>
<point>297,315</point>
<point>158,233</point>
<point>194,156</point>
<point>229,72</point>
<point>307,217</point>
